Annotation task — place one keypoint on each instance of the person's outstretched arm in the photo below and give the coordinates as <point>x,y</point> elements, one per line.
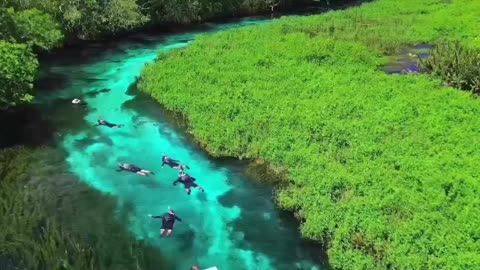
<point>177,218</point>
<point>176,181</point>
<point>154,216</point>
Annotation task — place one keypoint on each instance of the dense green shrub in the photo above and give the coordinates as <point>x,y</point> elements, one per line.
<point>43,24</point>
<point>186,11</point>
<point>30,26</point>
<point>18,67</point>
<point>382,169</point>
<point>88,19</point>
<point>455,64</point>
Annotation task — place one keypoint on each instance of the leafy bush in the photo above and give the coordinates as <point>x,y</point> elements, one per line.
<point>90,19</point>
<point>382,169</point>
<point>455,64</point>
<point>37,29</point>
<point>32,27</point>
<point>18,67</point>
<point>42,24</point>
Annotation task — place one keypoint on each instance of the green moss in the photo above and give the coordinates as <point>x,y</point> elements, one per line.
<point>382,169</point>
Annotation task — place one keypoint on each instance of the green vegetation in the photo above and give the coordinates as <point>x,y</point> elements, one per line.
<point>45,24</point>
<point>17,72</point>
<point>85,19</point>
<point>382,169</point>
<point>36,232</point>
<point>457,65</point>
<point>31,27</point>
<point>187,11</point>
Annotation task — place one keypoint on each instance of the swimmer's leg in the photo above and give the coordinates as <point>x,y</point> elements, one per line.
<point>162,231</point>
<point>141,173</point>
<point>146,172</point>
<point>189,191</point>
<point>197,187</point>
<point>169,232</point>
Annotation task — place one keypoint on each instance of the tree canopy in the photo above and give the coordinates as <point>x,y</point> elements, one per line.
<point>45,24</point>
<point>18,65</point>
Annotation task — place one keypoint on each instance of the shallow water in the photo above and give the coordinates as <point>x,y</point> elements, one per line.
<point>407,60</point>
<point>233,225</point>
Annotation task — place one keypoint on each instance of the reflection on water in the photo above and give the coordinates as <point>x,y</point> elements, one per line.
<point>407,60</point>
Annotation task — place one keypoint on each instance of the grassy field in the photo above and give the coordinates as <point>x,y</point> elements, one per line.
<point>382,169</point>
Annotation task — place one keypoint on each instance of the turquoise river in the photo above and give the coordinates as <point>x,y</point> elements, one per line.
<point>234,225</point>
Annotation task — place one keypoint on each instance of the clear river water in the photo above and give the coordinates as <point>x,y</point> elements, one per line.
<point>233,225</point>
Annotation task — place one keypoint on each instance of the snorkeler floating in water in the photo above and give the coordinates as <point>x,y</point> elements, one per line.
<point>102,122</point>
<point>175,164</point>
<point>133,168</point>
<point>167,222</point>
<point>188,182</point>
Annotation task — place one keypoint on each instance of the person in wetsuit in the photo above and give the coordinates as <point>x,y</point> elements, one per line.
<point>133,168</point>
<point>167,222</point>
<point>102,122</point>
<point>175,164</point>
<point>188,182</point>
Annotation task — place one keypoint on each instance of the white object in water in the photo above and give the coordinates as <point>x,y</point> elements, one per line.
<point>76,101</point>
<point>212,268</point>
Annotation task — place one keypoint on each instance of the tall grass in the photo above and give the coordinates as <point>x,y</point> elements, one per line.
<point>381,169</point>
<point>457,65</point>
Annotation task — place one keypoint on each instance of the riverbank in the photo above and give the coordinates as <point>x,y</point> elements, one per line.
<point>380,167</point>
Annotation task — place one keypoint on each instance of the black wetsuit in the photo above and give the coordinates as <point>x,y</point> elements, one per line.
<point>168,220</point>
<point>186,180</point>
<point>170,162</point>
<point>130,168</point>
<point>108,124</point>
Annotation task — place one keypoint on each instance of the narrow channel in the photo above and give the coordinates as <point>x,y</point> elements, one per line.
<point>233,225</point>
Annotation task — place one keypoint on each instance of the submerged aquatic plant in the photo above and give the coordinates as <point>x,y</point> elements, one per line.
<point>457,65</point>
<point>28,236</point>
<point>38,234</point>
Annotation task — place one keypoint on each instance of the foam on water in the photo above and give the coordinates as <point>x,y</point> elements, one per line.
<point>228,236</point>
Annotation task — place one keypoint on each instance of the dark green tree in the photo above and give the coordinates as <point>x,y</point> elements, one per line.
<point>18,66</point>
